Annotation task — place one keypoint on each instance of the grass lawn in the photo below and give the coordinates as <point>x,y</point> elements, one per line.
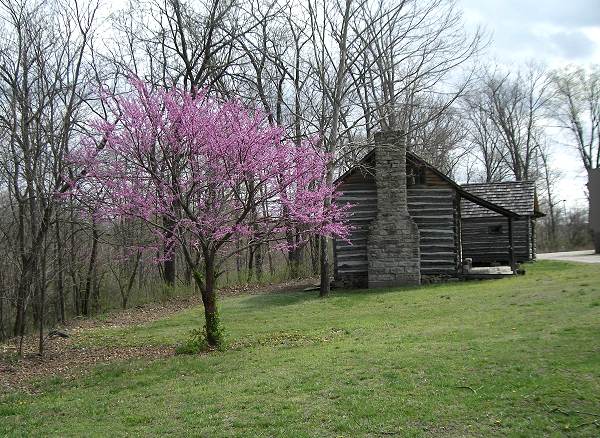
<point>517,357</point>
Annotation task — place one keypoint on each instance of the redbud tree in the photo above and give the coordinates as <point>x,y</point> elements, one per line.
<point>217,171</point>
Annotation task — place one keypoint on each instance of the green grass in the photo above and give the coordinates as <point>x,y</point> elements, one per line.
<point>460,359</point>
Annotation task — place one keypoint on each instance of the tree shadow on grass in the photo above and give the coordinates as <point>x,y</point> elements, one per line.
<point>288,298</point>
<point>278,299</point>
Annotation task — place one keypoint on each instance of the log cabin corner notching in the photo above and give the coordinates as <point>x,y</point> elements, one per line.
<point>406,219</point>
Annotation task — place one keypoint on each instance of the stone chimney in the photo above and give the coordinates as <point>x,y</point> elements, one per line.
<point>393,242</point>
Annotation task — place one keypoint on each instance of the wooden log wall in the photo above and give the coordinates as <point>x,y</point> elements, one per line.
<point>433,211</point>
<point>350,259</point>
<point>533,239</point>
<point>432,207</point>
<point>483,243</point>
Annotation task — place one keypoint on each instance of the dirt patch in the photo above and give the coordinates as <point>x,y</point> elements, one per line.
<point>61,359</point>
<point>155,311</point>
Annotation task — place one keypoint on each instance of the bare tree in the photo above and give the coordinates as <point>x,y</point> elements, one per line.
<point>439,134</point>
<point>484,139</point>
<point>549,178</point>
<point>515,104</point>
<point>331,24</point>
<point>411,49</point>
<point>42,87</point>
<point>577,110</point>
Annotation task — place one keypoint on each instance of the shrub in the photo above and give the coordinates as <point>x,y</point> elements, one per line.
<point>196,343</point>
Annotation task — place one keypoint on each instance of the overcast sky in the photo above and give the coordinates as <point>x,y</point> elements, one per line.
<point>554,32</point>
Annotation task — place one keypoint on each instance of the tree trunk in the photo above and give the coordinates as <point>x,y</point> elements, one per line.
<point>187,275</point>
<point>258,262</point>
<point>18,311</point>
<point>60,283</point>
<point>169,271</point>
<point>294,263</point>
<point>21,302</point>
<point>214,337</point>
<point>96,291</point>
<point>315,254</point>
<point>596,238</point>
<point>295,253</point>
<point>169,263</point>
<point>238,259</point>
<point>90,280</point>
<point>250,265</point>
<point>2,334</point>
<point>131,282</point>
<point>42,310</point>
<point>325,284</point>
<point>270,259</point>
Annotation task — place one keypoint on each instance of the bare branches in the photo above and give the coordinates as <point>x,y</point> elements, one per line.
<point>577,109</point>
<point>43,83</point>
<point>506,114</point>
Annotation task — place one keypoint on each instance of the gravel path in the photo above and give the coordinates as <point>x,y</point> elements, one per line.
<point>587,256</point>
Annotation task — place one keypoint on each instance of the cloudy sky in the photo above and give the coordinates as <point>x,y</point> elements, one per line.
<point>554,32</point>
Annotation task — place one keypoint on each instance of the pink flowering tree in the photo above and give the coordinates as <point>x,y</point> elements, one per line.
<point>216,171</point>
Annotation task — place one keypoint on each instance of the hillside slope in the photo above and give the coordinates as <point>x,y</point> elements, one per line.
<point>516,356</point>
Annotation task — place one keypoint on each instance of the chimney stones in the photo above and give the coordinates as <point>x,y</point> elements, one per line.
<point>393,241</point>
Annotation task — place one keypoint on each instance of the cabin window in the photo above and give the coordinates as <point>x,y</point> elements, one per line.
<point>495,229</point>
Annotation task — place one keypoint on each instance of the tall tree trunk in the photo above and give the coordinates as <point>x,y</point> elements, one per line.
<point>325,286</point>
<point>23,288</point>
<point>75,284</point>
<point>2,333</point>
<point>258,262</point>
<point>41,280</point>
<point>250,265</point>
<point>125,294</point>
<point>169,263</point>
<point>270,259</point>
<point>60,284</point>
<point>294,251</point>
<point>238,259</point>
<point>332,142</point>
<point>90,280</point>
<point>20,292</point>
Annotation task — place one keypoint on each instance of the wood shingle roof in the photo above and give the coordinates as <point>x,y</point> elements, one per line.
<point>516,196</point>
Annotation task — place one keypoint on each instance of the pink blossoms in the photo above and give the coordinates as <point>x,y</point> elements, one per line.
<point>217,170</point>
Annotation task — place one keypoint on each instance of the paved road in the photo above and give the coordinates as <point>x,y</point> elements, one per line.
<point>571,256</point>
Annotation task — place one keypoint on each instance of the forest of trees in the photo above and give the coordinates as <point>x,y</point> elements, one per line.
<point>336,71</point>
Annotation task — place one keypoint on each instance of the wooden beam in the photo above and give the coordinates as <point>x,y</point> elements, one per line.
<point>459,245</point>
<point>511,249</point>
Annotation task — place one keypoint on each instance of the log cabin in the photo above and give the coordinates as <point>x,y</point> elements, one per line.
<point>486,234</point>
<point>405,218</point>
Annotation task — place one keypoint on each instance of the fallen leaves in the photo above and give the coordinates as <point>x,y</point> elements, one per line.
<point>63,359</point>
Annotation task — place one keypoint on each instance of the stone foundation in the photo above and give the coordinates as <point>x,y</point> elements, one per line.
<point>351,281</point>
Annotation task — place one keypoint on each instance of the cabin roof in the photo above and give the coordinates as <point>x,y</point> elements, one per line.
<point>492,208</point>
<point>517,196</point>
